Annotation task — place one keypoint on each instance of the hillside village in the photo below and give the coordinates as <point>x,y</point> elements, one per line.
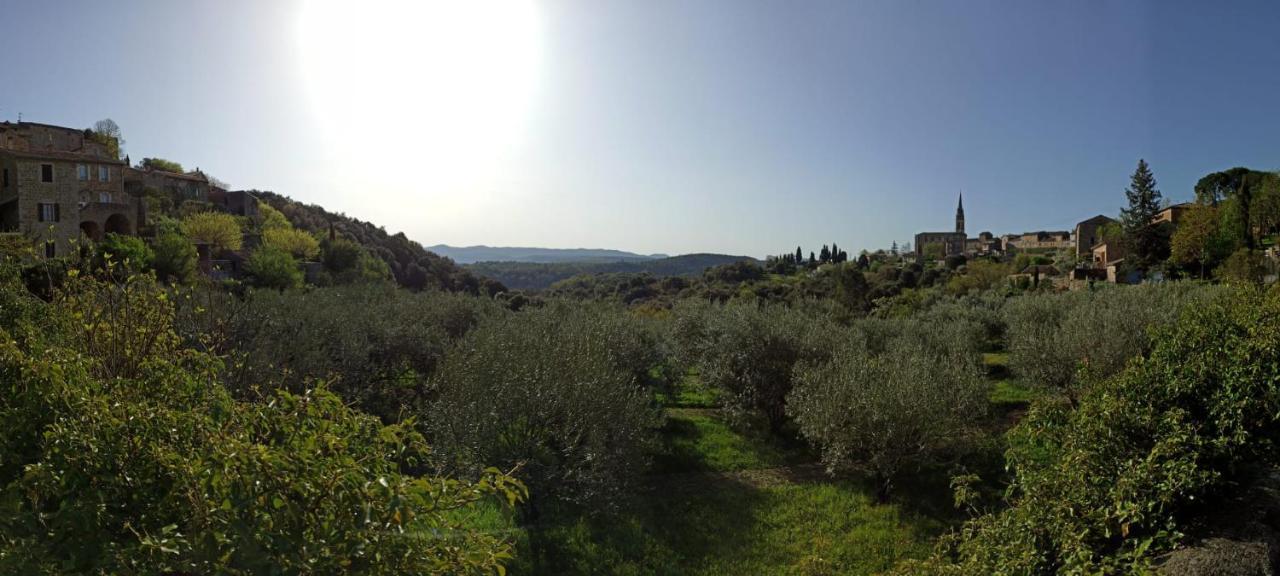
<point>64,187</point>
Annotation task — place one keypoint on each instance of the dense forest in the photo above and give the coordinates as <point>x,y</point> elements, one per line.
<point>863,415</point>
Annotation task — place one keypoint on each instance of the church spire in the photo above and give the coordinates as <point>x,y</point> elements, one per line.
<point>960,214</point>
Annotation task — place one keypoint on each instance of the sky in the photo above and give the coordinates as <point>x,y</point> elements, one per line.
<point>667,126</point>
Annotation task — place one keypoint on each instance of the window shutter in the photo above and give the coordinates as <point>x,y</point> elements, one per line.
<point>57,213</point>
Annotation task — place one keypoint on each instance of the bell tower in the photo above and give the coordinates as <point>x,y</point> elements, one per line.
<point>960,215</point>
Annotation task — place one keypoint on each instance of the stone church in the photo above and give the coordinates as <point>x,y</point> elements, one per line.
<point>951,242</point>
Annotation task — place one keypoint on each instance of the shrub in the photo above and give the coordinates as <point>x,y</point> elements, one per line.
<point>130,250</point>
<point>541,389</point>
<point>220,231</point>
<point>894,396</point>
<point>297,243</point>
<point>749,351</point>
<point>375,345</point>
<point>273,268</point>
<point>1107,486</point>
<point>175,258</point>
<point>1244,266</point>
<point>120,455</point>
<point>1052,337</point>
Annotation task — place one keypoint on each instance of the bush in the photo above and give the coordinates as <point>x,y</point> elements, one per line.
<point>1244,266</point>
<point>297,243</point>
<point>126,250</point>
<point>749,351</point>
<point>542,389</point>
<point>1052,337</point>
<point>1107,486</point>
<point>375,345</point>
<point>273,268</point>
<point>119,455</point>
<point>175,258</point>
<point>220,231</point>
<point>895,395</point>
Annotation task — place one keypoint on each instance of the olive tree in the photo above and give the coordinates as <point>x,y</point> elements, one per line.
<point>895,396</point>
<point>542,389</point>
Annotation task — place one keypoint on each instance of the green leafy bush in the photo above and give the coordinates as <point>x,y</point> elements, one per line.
<point>893,398</point>
<point>375,345</point>
<point>273,268</point>
<point>748,352</point>
<point>123,249</point>
<point>1053,337</point>
<point>175,258</point>
<point>543,389</point>
<point>1103,488</point>
<point>120,454</point>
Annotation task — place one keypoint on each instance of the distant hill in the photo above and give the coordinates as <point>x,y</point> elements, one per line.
<point>472,254</point>
<point>539,276</point>
<point>412,265</point>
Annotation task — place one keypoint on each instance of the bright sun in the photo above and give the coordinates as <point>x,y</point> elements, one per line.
<point>443,86</point>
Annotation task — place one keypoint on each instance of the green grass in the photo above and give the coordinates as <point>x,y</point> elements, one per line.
<point>689,393</point>
<point>697,441</point>
<point>727,527</point>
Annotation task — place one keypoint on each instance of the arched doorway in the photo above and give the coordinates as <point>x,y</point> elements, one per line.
<point>118,224</point>
<point>91,230</point>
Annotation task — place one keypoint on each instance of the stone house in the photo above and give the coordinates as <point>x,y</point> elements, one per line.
<point>58,183</point>
<point>1087,234</point>
<point>1172,214</point>
<point>1041,240</point>
<point>180,186</point>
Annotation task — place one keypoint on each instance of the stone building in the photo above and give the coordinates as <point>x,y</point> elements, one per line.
<point>951,242</point>
<point>180,186</point>
<point>1087,234</point>
<point>58,183</point>
<point>1039,241</point>
<point>1172,214</point>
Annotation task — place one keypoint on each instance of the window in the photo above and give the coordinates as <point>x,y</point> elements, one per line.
<point>104,197</point>
<point>104,174</point>
<point>48,212</point>
<point>46,172</point>
<point>50,249</point>
<point>82,172</point>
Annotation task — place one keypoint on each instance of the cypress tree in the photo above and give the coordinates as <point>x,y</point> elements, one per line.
<point>799,255</point>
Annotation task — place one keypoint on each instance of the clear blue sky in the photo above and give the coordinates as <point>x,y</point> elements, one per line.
<point>734,126</point>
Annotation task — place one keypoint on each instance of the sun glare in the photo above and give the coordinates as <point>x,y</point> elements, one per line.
<point>443,87</point>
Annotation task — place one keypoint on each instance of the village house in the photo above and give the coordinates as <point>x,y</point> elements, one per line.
<point>58,183</point>
<point>1088,234</point>
<point>1036,241</point>
<point>180,186</point>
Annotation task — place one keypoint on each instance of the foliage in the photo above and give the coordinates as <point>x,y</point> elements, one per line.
<point>1055,337</point>
<point>119,454</point>
<point>412,266</point>
<point>296,243</point>
<point>373,344</point>
<point>269,267</point>
<point>541,276</point>
<point>895,396</point>
<point>161,165</point>
<point>1198,240</point>
<point>126,249</point>
<point>1143,238</point>
<point>1244,266</point>
<point>542,389</point>
<point>219,230</point>
<point>175,258</point>
<point>107,133</point>
<point>271,219</point>
<point>748,352</point>
<point>1104,488</point>
<point>979,275</point>
<point>348,263</point>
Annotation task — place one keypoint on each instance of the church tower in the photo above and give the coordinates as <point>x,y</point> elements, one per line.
<point>960,215</point>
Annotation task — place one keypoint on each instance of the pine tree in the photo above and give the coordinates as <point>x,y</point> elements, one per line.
<point>1143,239</point>
<point>825,255</point>
<point>799,255</point>
<point>812,260</point>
